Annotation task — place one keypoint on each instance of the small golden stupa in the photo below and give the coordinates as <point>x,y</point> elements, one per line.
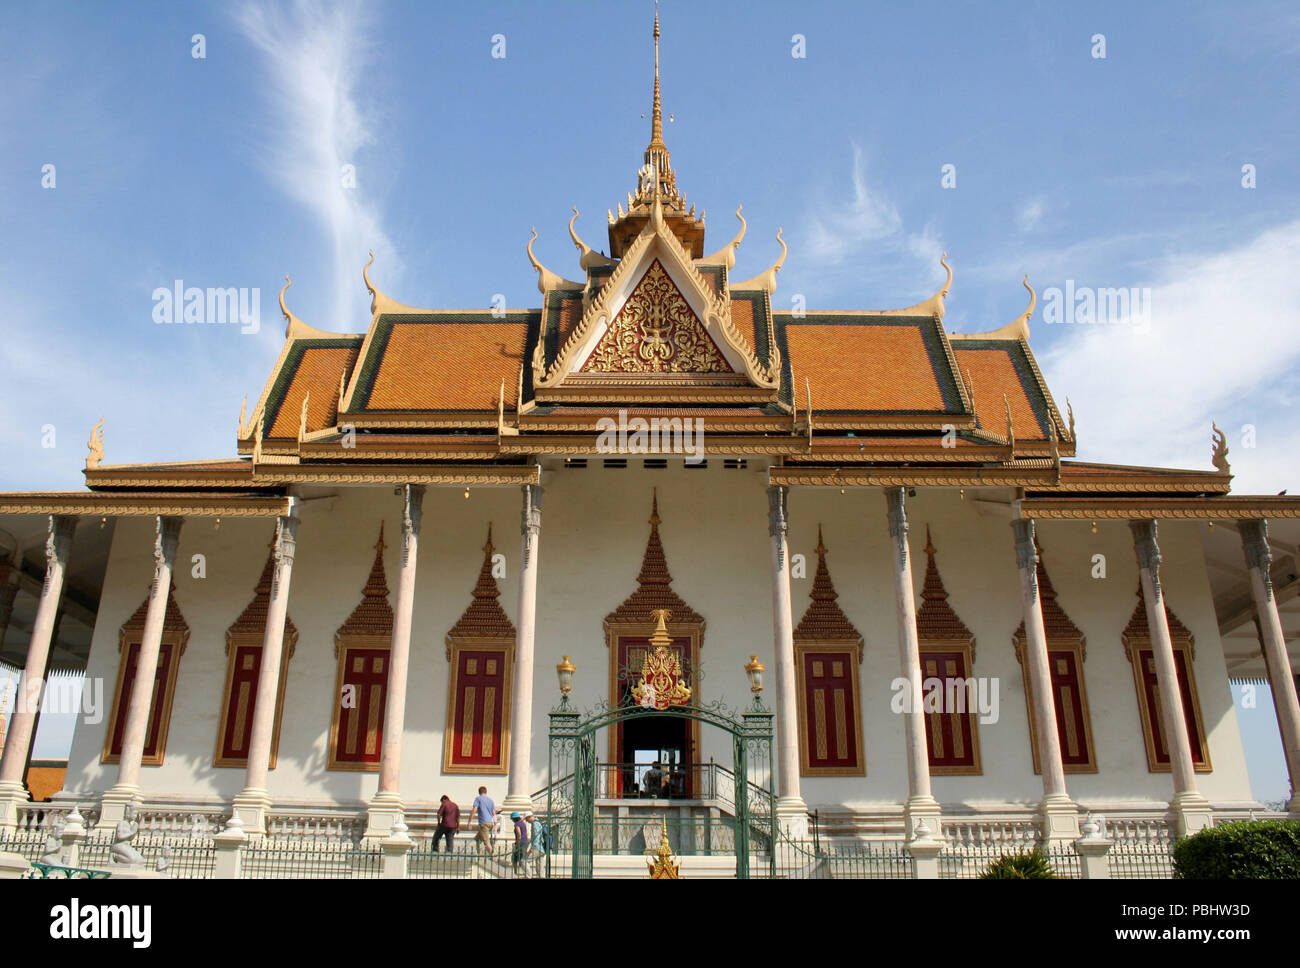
<point>664,867</point>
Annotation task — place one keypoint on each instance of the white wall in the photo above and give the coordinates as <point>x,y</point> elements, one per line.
<point>714,530</point>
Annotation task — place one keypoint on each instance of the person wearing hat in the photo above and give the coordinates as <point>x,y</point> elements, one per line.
<point>537,843</point>
<point>521,844</point>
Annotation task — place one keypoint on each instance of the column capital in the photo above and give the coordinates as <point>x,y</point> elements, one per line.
<point>1254,541</point>
<point>897,522</point>
<point>778,518</point>
<point>1148,551</point>
<point>412,516</point>
<point>59,539</point>
<point>286,538</point>
<point>530,518</point>
<point>1027,554</point>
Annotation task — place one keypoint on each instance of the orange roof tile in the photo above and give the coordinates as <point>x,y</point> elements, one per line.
<point>993,373</point>
<point>317,373</point>
<point>864,366</point>
<point>448,366</point>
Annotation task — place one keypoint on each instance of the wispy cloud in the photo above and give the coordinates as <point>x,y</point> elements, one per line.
<point>1031,212</point>
<point>1221,346</point>
<point>837,233</point>
<point>317,54</point>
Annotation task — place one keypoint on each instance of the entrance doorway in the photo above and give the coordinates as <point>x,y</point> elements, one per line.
<point>656,751</point>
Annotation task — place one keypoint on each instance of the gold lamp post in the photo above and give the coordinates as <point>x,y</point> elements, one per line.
<point>755,669</point>
<point>564,670</point>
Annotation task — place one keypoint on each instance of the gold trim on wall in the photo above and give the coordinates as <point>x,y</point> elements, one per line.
<point>852,650</point>
<point>1133,647</point>
<point>177,639</point>
<point>967,649</point>
<point>644,630</point>
<point>455,646</point>
<point>342,645</point>
<point>234,642</point>
<point>1079,650</point>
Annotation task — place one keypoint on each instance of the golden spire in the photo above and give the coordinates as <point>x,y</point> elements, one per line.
<point>657,175</point>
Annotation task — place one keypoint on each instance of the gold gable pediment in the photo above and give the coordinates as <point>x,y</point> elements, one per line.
<point>656,331</point>
<point>656,314</point>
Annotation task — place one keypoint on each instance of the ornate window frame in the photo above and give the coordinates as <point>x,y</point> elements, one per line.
<point>1184,645</point>
<point>851,649</point>
<point>1077,648</point>
<point>175,638</point>
<point>235,642</point>
<point>966,648</point>
<point>456,647</point>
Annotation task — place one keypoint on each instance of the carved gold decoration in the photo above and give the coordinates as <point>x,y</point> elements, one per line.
<point>587,258</point>
<point>661,683</point>
<point>546,279</point>
<point>95,445</point>
<point>765,281</point>
<point>656,331</point>
<point>664,867</point>
<point>1219,458</point>
<point>1016,329</point>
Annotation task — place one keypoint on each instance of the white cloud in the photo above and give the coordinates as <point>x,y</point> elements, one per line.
<point>316,55</point>
<point>837,233</point>
<point>1221,346</point>
<point>1030,213</point>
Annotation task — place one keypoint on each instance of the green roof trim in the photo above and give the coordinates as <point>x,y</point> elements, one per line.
<point>283,379</point>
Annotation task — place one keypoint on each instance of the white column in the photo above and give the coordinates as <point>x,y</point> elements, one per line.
<point>921,804</point>
<point>1259,561</point>
<point>1191,811</point>
<point>127,789</point>
<point>518,796</point>
<point>1059,815</point>
<point>253,803</point>
<point>23,721</point>
<point>791,810</point>
<point>386,807</point>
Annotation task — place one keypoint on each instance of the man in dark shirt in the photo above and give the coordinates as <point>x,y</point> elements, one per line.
<point>448,822</point>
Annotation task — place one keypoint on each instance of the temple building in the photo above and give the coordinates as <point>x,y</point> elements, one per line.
<point>876,527</point>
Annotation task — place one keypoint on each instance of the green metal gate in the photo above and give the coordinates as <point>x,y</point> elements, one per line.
<point>572,766</point>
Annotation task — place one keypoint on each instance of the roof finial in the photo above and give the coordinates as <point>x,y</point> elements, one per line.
<point>657,123</point>
<point>654,507</point>
<point>821,546</point>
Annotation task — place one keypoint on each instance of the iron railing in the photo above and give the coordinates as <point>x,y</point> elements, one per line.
<point>273,857</point>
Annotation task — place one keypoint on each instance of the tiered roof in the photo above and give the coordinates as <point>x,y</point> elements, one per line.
<point>863,397</point>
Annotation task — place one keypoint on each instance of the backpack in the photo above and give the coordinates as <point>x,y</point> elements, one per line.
<point>544,839</point>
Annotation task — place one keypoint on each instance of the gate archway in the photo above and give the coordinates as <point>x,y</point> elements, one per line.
<point>572,770</point>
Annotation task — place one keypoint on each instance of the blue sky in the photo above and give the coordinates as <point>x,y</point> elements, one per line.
<point>225,171</point>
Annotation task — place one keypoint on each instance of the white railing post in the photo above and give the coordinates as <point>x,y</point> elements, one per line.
<point>230,850</point>
<point>396,847</point>
<point>1093,849</point>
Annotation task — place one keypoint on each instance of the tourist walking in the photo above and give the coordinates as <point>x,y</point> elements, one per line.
<point>539,844</point>
<point>521,844</point>
<point>484,811</point>
<point>448,822</point>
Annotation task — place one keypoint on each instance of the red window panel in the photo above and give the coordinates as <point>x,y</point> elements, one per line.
<point>361,725</point>
<point>156,704</point>
<point>1155,711</point>
<point>480,705</point>
<point>828,703</point>
<point>243,697</point>
<point>1067,692</point>
<point>949,734</point>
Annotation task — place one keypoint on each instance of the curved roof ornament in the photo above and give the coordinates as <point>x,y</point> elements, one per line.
<point>295,328</point>
<point>1016,329</point>
<point>934,306</point>
<point>587,258</point>
<point>546,279</point>
<point>764,280</point>
<point>380,302</point>
<point>1219,457</point>
<point>726,256</point>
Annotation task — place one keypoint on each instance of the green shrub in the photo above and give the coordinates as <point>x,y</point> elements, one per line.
<point>1024,866</point>
<point>1260,849</point>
